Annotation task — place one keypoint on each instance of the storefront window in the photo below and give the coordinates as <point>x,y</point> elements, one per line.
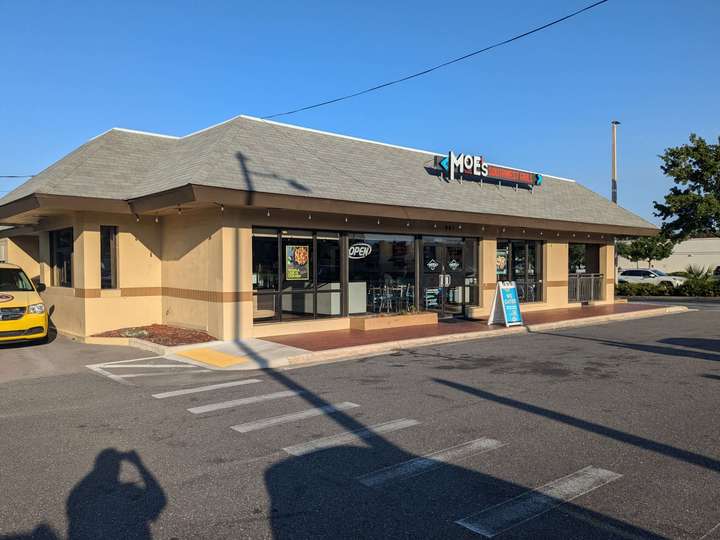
<point>520,261</point>
<point>265,275</point>
<point>329,295</point>
<point>296,274</point>
<point>381,273</point>
<point>584,259</point>
<point>61,255</point>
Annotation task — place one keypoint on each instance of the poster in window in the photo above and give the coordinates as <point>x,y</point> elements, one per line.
<point>297,263</point>
<point>501,260</point>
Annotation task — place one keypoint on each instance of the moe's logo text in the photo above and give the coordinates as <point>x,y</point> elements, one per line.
<point>359,251</point>
<point>468,167</point>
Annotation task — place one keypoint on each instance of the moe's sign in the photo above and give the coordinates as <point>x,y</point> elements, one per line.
<point>469,167</point>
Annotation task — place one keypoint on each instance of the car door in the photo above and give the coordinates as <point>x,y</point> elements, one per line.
<point>650,277</point>
<point>630,276</point>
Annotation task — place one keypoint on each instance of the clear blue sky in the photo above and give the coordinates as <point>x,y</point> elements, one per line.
<point>71,70</point>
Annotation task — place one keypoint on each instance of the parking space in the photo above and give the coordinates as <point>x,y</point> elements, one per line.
<point>59,356</point>
<point>599,432</point>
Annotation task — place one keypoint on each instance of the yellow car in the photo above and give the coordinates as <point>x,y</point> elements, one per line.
<point>23,316</point>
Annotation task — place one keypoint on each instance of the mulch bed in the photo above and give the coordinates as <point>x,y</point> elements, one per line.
<point>161,334</point>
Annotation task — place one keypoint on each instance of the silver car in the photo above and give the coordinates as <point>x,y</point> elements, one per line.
<point>650,275</point>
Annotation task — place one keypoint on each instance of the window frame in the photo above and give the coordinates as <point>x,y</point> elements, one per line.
<point>55,271</point>
<point>113,257</point>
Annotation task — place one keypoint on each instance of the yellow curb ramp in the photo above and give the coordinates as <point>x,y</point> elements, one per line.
<point>214,358</point>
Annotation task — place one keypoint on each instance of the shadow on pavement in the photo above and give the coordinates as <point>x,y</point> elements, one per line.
<point>627,438</point>
<point>101,506</point>
<point>656,349</point>
<point>705,344</point>
<point>321,494</point>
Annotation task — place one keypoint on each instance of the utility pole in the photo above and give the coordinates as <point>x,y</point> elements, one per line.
<point>614,124</point>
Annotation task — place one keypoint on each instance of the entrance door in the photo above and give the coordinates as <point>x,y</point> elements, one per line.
<point>443,276</point>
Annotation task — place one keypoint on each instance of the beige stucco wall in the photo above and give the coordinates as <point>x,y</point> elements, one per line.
<point>195,269</point>
<point>24,251</point>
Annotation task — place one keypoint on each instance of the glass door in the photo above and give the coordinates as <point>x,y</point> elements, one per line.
<point>443,276</point>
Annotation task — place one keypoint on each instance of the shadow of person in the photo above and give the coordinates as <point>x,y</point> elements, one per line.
<point>102,506</point>
<point>41,532</point>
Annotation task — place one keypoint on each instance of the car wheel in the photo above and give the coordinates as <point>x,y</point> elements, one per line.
<point>669,285</point>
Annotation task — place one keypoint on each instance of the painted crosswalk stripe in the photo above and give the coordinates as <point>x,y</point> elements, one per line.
<point>422,464</point>
<point>349,437</point>
<point>244,401</point>
<point>207,388</point>
<point>292,417</point>
<point>504,516</point>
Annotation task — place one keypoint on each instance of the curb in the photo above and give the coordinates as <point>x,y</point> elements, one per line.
<point>160,350</point>
<point>602,319</point>
<point>359,351</point>
<point>348,353</point>
<point>688,299</point>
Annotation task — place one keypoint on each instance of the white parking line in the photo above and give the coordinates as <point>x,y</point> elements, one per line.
<point>504,516</point>
<point>422,464</point>
<point>97,369</point>
<point>207,388</point>
<point>152,366</point>
<point>285,418</point>
<point>133,375</point>
<point>349,437</point>
<point>243,401</point>
<point>131,360</point>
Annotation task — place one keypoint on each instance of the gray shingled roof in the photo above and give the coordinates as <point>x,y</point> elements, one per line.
<point>251,154</point>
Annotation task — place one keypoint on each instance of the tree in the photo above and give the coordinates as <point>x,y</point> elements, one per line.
<point>693,205</point>
<point>653,248</point>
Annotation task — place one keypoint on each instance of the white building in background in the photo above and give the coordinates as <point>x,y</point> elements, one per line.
<point>703,252</point>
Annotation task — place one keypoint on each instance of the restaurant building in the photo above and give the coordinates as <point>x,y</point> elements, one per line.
<point>253,228</point>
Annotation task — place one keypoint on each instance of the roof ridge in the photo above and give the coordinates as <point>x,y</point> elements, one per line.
<point>388,145</point>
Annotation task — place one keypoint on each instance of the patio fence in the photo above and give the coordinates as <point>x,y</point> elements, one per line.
<point>585,287</point>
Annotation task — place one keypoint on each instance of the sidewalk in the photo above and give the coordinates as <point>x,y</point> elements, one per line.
<point>317,347</point>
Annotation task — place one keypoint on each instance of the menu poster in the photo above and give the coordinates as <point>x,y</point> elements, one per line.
<point>297,263</point>
<point>501,260</point>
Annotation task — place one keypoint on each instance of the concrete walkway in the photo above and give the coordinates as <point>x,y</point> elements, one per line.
<point>318,347</point>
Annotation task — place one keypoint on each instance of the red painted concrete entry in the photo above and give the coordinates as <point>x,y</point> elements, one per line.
<point>335,339</point>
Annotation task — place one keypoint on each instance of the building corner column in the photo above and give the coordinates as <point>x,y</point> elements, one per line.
<point>237,300</point>
<point>607,268</point>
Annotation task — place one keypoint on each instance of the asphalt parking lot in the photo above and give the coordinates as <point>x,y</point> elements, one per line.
<point>608,431</point>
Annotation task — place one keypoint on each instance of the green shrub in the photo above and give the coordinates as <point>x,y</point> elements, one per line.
<point>642,289</point>
<point>700,282</point>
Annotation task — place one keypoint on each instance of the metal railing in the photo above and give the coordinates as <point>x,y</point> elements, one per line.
<point>529,290</point>
<point>585,287</point>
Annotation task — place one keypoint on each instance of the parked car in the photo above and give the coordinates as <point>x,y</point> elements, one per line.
<point>650,275</point>
<point>23,316</point>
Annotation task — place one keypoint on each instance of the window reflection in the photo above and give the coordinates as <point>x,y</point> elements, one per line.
<point>381,273</point>
<point>520,261</point>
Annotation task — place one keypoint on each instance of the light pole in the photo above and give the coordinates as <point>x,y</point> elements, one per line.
<point>614,124</point>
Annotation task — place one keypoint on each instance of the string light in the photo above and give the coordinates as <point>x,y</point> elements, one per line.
<point>268,213</point>
<point>157,219</point>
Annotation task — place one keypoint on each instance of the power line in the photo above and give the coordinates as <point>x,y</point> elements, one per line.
<point>439,66</point>
<point>17,176</point>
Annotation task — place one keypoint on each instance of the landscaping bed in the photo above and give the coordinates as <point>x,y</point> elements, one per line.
<point>161,334</point>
